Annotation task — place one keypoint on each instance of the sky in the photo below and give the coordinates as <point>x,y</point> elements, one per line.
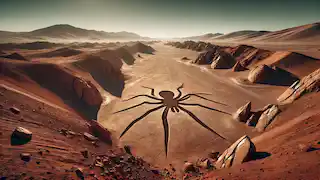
<point>159,18</point>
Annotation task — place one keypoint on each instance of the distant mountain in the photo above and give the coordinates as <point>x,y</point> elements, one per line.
<point>66,32</point>
<point>203,37</point>
<point>309,32</point>
<point>241,35</point>
<point>306,33</point>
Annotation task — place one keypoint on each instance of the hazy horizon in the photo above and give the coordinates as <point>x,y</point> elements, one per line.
<point>158,19</point>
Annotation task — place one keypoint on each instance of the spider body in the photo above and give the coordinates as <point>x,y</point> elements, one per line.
<point>175,104</point>
<point>169,101</point>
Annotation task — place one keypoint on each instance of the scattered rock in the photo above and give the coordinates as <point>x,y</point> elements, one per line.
<point>89,137</point>
<point>204,163</point>
<point>214,155</point>
<point>26,157</point>
<point>240,151</point>
<point>185,58</point>
<point>253,120</point>
<point>243,113</point>
<point>85,153</point>
<point>127,148</point>
<point>20,136</point>
<point>63,131</point>
<point>139,56</point>
<point>15,110</point>
<point>260,74</point>
<point>79,173</point>
<point>310,83</point>
<point>266,117</point>
<point>189,167</point>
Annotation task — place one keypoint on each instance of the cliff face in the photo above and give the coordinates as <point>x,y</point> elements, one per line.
<point>78,93</point>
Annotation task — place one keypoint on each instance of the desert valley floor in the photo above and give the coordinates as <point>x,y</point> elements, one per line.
<point>63,93</point>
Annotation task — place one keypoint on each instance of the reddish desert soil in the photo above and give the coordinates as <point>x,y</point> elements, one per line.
<point>53,155</point>
<point>293,141</point>
<point>42,89</point>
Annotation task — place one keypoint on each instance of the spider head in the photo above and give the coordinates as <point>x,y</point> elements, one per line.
<point>166,94</point>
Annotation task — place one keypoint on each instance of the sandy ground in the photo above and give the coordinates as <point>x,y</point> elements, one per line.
<point>188,140</point>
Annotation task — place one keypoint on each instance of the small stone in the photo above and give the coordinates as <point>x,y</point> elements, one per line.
<point>15,110</point>
<point>71,133</point>
<point>189,167</point>
<point>79,173</point>
<point>64,131</point>
<point>38,162</point>
<point>25,157</point>
<point>214,155</point>
<point>92,173</point>
<point>89,137</point>
<point>127,149</point>
<point>205,163</point>
<point>85,153</point>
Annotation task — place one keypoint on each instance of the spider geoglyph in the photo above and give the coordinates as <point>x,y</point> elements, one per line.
<point>175,104</point>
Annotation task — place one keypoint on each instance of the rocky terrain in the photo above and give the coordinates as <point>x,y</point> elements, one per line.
<point>236,112</point>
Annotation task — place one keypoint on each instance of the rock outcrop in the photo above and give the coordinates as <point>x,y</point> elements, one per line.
<point>205,57</point>
<point>100,132</point>
<point>238,67</point>
<point>223,60</point>
<point>86,91</point>
<point>243,113</point>
<point>310,83</point>
<point>240,151</point>
<point>260,74</point>
<point>266,117</point>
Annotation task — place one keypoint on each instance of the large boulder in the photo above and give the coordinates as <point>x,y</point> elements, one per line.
<point>266,117</point>
<point>260,74</point>
<point>240,151</point>
<point>310,83</point>
<point>86,91</point>
<point>223,60</point>
<point>20,136</point>
<point>243,113</point>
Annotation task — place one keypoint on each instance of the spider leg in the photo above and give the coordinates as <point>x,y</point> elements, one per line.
<point>173,110</point>
<point>200,122</point>
<point>166,128</point>
<point>180,93</point>
<point>139,118</point>
<point>152,90</point>
<point>189,95</point>
<point>187,104</point>
<point>177,109</point>
<point>142,95</point>
<point>145,102</point>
